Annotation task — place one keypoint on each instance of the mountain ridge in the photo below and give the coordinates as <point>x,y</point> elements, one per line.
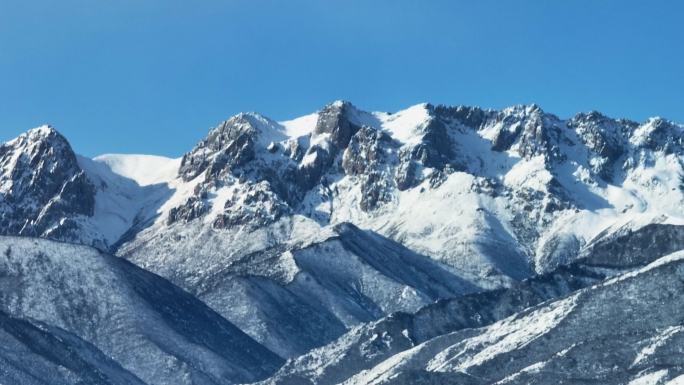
<point>298,232</point>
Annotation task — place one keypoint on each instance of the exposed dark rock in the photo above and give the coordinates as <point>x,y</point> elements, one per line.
<point>472,117</point>
<point>406,174</point>
<point>366,158</point>
<point>631,248</point>
<point>193,208</point>
<point>605,137</point>
<point>334,119</point>
<point>227,146</point>
<point>256,207</point>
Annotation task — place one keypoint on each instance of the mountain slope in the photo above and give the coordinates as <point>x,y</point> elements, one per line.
<point>612,333</point>
<point>369,344</point>
<point>151,328</point>
<point>34,353</point>
<point>293,298</point>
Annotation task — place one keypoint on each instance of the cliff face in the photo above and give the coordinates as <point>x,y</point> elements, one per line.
<point>43,191</point>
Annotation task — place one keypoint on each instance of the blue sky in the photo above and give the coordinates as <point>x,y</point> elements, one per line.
<point>152,76</point>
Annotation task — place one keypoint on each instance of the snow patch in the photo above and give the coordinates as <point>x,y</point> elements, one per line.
<point>301,126</point>
<point>650,378</point>
<point>143,169</point>
<point>405,126</point>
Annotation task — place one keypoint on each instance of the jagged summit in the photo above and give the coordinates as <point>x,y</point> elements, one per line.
<point>44,130</point>
<point>43,190</point>
<point>31,139</point>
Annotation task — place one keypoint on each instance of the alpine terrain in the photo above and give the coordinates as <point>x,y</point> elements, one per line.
<point>434,245</point>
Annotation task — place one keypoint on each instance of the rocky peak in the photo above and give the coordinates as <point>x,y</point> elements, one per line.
<point>229,144</point>
<point>605,138</point>
<point>42,188</point>
<point>659,134</point>
<point>335,120</point>
<point>334,129</point>
<point>474,117</point>
<point>539,134</point>
<point>506,125</point>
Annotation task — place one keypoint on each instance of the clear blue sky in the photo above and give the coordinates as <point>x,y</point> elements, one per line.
<point>152,76</point>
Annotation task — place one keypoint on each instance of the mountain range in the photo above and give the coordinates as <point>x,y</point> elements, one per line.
<point>434,245</point>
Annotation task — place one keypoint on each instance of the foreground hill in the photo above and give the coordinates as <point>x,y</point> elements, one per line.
<point>71,312</point>
<point>628,329</point>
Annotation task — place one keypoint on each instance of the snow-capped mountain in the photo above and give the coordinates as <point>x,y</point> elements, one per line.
<point>492,196</point>
<point>310,233</point>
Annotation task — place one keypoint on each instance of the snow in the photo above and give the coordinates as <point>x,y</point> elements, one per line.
<point>309,159</point>
<point>650,378</point>
<point>128,190</point>
<point>301,126</point>
<point>537,367</point>
<point>268,130</point>
<point>530,174</point>
<point>405,125</point>
<point>657,342</point>
<point>484,223</point>
<point>642,134</point>
<point>43,130</point>
<point>457,352</point>
<point>218,199</point>
<point>143,169</point>
<point>679,380</point>
<point>502,337</point>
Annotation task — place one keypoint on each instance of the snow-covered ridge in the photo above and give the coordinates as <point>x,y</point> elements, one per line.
<point>301,126</point>
<point>403,125</point>
<point>143,169</point>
